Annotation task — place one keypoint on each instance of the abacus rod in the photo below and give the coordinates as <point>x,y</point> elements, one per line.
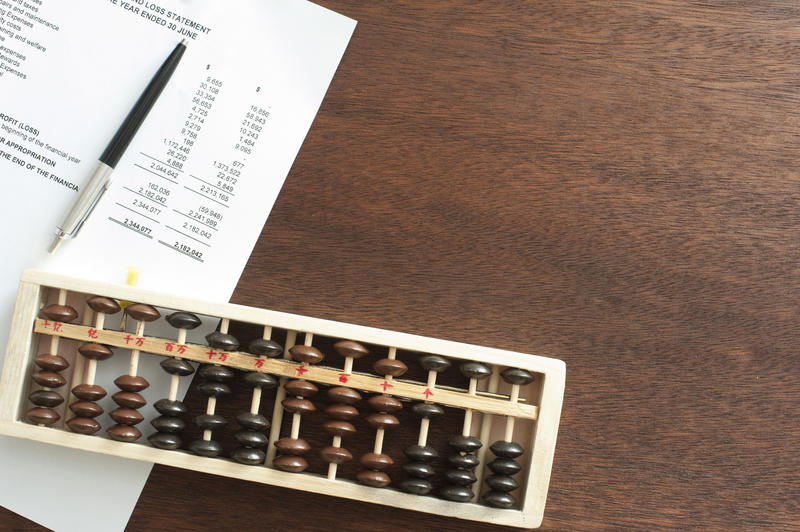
<point>277,410</point>
<point>77,369</point>
<point>486,428</point>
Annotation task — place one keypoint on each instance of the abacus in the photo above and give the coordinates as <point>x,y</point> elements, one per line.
<point>306,387</point>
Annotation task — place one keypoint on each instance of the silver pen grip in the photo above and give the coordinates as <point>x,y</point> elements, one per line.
<point>89,197</point>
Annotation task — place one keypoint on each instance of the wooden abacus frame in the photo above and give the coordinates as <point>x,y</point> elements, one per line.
<point>544,410</point>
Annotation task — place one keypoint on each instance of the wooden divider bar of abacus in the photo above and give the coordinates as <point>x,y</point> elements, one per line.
<point>544,409</point>
<point>284,368</point>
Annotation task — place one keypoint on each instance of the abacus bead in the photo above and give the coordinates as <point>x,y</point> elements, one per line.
<point>129,399</point>
<point>224,341</point>
<point>389,366</point>
<point>164,440</point>
<point>463,461</point>
<point>89,392</point>
<point>300,388</point>
<point>340,394</point>
<point>210,421</point>
<point>460,477</point>
<point>61,313</point>
<point>306,353</point>
<point>168,424</point>
<point>265,348</point>
<point>126,416</point>
<point>516,376</point>
<point>103,304</point>
<point>183,320</point>
<point>252,421</point>
<point>83,425</point>
<point>336,455</point>
<point>420,453</point>
<point>350,349</point>
<point>170,408</point>
<point>434,363</point>
<point>129,383</point>
<point>498,499</point>
<point>291,464</point>
<point>416,486</point>
<point>142,312</point>
<point>382,421</point>
<point>248,455</point>
<point>505,466</point>
<point>206,447</point>
<point>177,366</point>
<point>375,479</point>
<point>86,409</point>
<point>95,351</point>
<point>42,416</point>
<point>49,379</point>
<point>466,444</point>
<point>475,370</point>
<point>427,410</point>
<point>298,406</point>
<point>339,428</point>
<point>384,403</point>
<point>376,461</point>
<point>256,379</point>
<point>251,438</point>
<point>502,483</point>
<point>51,362</point>
<point>214,389</point>
<point>124,433</point>
<point>506,449</point>
<point>418,469</point>
<point>456,493</point>
<point>216,373</point>
<point>292,446</point>
<point>46,398</point>
<point>340,411</point>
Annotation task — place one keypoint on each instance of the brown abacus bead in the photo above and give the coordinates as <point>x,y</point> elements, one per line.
<point>42,416</point>
<point>129,399</point>
<point>291,464</point>
<point>183,320</point>
<point>86,409</point>
<point>124,433</point>
<point>103,304</point>
<point>62,313</point>
<point>307,354</point>
<point>49,379</point>
<point>340,394</point>
<point>382,421</point>
<point>300,388</point>
<point>46,398</point>
<point>389,366</point>
<point>83,425</point>
<point>224,341</point>
<point>384,403</point>
<point>51,362</point>
<point>95,351</point>
<point>339,428</point>
<point>265,348</point>
<point>336,455</point>
<point>292,446</point>
<point>342,411</point>
<point>350,349</point>
<point>376,461</point>
<point>298,406</point>
<point>126,416</point>
<point>375,479</point>
<point>89,392</point>
<point>129,383</point>
<point>142,312</point>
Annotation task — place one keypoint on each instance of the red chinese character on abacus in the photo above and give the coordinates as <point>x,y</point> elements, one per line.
<point>128,338</point>
<point>92,333</point>
<point>343,377</point>
<point>427,393</point>
<point>139,342</point>
<point>211,353</point>
<point>259,362</point>
<point>223,356</point>
<point>181,349</point>
<point>57,326</point>
<point>386,385</point>
<point>46,324</point>
<point>169,345</point>
<point>301,369</point>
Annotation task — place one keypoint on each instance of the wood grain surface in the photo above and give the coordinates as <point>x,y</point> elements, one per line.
<point>610,183</point>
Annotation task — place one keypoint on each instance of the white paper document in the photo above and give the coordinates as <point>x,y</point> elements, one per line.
<point>189,197</point>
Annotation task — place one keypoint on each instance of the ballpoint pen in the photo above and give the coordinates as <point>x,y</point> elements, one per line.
<point>101,178</point>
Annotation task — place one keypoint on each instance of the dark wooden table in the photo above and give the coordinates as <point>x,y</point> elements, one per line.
<point>610,183</point>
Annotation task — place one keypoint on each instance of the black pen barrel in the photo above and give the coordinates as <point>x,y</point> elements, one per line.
<point>125,133</point>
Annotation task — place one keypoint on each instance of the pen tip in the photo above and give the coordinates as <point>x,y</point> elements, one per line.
<point>56,242</point>
<point>184,42</point>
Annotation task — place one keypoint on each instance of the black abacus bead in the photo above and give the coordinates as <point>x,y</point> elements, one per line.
<point>418,469</point>
<point>168,424</point>
<point>460,477</point>
<point>434,363</point>
<point>216,373</point>
<point>502,483</point>
<point>165,440</point>
<point>456,493</point>
<point>417,486</point>
<point>248,455</point>
<point>206,447</point>
<point>210,421</point>
<point>498,499</point>
<point>46,398</point>
<point>465,444</point>
<point>504,466</point>
<point>265,348</point>
<point>463,461</point>
<point>183,320</point>
<point>253,421</point>
<point>256,379</point>
<point>224,341</point>
<point>517,376</point>
<point>251,438</point>
<point>177,366</point>
<point>427,410</point>
<point>506,449</point>
<point>214,389</point>
<point>475,370</point>
<point>420,453</point>
<point>170,408</point>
